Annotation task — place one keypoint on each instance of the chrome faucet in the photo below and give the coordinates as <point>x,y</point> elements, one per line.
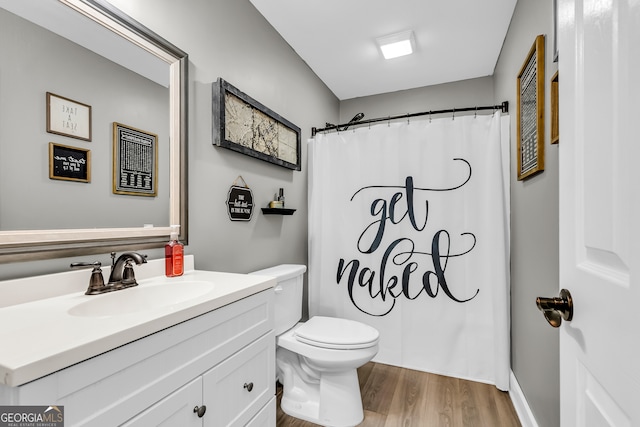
<point>122,275</point>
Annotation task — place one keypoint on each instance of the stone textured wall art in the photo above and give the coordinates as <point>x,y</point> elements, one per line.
<point>242,124</point>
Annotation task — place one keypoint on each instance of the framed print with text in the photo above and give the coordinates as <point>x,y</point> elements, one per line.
<point>135,161</point>
<point>68,117</point>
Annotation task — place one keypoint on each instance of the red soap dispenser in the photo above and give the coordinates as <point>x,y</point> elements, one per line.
<point>174,254</point>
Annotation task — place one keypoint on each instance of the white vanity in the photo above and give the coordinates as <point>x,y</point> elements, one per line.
<point>197,350</point>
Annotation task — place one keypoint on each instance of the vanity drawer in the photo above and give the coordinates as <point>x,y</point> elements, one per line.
<point>174,410</point>
<point>236,389</point>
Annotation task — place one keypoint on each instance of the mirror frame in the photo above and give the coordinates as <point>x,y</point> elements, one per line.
<point>25,245</point>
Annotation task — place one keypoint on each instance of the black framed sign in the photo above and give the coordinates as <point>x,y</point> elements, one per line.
<point>240,203</point>
<point>135,161</point>
<point>242,124</point>
<point>69,163</point>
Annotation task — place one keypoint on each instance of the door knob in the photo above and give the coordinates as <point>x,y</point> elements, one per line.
<point>557,308</point>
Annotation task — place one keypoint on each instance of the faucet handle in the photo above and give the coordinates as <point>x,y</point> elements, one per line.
<point>128,276</point>
<point>96,281</point>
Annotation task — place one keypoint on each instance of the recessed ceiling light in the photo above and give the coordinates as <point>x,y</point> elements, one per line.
<point>398,44</point>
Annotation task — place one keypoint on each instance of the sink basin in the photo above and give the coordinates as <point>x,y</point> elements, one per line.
<point>141,298</point>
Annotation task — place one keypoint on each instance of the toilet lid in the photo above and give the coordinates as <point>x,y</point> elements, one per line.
<point>331,332</point>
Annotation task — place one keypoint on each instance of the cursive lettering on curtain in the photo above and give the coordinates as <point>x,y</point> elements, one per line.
<point>422,271</point>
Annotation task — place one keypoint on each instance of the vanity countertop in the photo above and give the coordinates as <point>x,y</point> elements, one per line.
<point>43,336</point>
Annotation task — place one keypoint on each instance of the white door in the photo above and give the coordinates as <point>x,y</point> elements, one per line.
<point>599,74</point>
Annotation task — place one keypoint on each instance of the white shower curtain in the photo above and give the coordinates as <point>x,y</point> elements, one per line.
<point>409,233</point>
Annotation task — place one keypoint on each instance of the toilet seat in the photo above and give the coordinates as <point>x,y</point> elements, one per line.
<point>338,334</point>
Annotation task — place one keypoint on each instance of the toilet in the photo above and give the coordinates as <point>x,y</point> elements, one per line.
<point>317,360</point>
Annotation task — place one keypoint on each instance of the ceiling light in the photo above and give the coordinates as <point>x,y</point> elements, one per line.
<point>395,45</point>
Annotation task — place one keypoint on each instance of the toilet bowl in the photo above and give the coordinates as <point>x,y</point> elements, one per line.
<point>317,360</point>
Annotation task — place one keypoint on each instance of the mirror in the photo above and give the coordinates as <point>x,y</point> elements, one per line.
<point>103,29</point>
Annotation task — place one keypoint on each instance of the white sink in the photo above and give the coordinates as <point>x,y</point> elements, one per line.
<point>144,297</point>
<point>95,324</point>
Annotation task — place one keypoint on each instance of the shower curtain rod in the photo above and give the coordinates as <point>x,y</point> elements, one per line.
<point>504,107</point>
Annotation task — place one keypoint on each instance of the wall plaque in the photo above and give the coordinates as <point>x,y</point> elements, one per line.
<point>240,201</point>
<point>240,204</point>
<point>135,161</point>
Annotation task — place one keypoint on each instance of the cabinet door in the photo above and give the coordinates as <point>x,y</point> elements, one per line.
<point>177,409</point>
<point>266,417</point>
<point>236,389</point>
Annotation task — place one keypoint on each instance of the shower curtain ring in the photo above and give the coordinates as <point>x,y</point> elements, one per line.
<point>429,116</point>
<point>475,115</point>
<point>453,116</point>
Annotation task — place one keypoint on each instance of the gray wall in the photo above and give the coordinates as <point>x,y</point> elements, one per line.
<point>534,226</point>
<point>460,94</point>
<point>230,39</point>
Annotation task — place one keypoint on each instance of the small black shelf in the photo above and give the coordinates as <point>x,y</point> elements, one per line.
<point>277,211</point>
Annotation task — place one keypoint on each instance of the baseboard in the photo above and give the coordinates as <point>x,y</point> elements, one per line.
<point>520,403</point>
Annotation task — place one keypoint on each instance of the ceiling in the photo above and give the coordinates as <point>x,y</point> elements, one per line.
<point>455,40</point>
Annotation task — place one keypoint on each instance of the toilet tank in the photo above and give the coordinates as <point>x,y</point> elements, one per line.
<point>288,294</point>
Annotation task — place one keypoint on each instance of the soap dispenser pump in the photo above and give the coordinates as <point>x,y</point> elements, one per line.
<point>174,254</point>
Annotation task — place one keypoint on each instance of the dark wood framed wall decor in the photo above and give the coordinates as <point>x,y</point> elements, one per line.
<point>242,124</point>
<point>555,110</point>
<point>135,161</point>
<point>68,117</point>
<point>69,163</point>
<point>530,120</point>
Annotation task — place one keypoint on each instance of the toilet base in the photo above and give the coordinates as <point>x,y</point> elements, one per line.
<point>338,404</point>
<point>330,399</point>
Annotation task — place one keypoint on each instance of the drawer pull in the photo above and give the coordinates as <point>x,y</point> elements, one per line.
<point>248,386</point>
<point>200,410</point>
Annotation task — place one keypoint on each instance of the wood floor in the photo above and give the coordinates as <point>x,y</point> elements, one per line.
<point>393,396</point>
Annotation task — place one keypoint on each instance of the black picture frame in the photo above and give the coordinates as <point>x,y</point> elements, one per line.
<point>244,125</point>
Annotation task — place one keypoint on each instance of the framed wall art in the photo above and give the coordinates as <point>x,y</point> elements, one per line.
<point>555,110</point>
<point>530,121</point>
<point>68,117</point>
<point>135,161</point>
<point>69,163</point>
<point>242,124</point>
